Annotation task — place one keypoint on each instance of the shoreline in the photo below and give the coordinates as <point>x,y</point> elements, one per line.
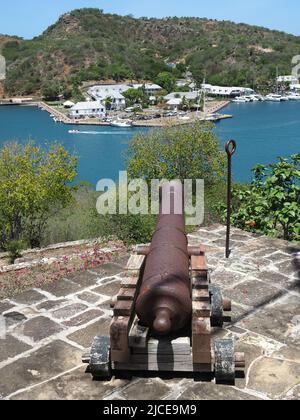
<point>155,123</point>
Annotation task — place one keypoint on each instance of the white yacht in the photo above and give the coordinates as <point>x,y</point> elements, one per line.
<point>256,98</point>
<point>121,123</point>
<point>293,96</point>
<point>241,99</point>
<point>274,97</point>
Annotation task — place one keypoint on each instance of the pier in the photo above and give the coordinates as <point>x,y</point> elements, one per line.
<point>212,108</point>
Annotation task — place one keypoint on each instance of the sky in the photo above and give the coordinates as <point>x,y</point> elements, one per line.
<point>29,18</point>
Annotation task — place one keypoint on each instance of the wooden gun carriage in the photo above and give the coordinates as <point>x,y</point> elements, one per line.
<point>166,310</point>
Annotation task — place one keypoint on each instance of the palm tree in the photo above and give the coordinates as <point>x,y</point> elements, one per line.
<point>108,102</point>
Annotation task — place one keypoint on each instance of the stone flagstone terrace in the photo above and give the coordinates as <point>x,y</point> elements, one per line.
<point>48,329</point>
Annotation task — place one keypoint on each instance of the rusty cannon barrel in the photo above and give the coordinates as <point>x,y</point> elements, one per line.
<point>164,303</point>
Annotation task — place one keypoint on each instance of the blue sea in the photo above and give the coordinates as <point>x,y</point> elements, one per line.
<point>263,131</point>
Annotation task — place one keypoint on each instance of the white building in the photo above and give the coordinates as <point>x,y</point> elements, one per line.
<point>103,93</point>
<point>117,100</point>
<point>150,88</point>
<point>174,103</point>
<point>68,104</point>
<point>190,96</point>
<point>288,79</point>
<point>115,92</point>
<point>180,83</point>
<point>224,91</point>
<point>295,87</point>
<point>92,109</point>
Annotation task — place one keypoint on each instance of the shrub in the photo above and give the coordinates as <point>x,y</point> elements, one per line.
<point>32,183</point>
<point>186,152</point>
<point>271,203</point>
<point>14,249</point>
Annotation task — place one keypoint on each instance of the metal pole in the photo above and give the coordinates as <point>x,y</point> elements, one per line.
<point>230,148</point>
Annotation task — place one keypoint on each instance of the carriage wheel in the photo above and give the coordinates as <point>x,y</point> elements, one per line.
<point>217,313</point>
<point>100,362</point>
<point>224,361</point>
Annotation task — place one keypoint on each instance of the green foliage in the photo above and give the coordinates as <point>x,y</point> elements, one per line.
<point>132,229</point>
<point>186,104</point>
<point>77,94</point>
<point>92,45</point>
<point>14,249</point>
<point>136,96</point>
<point>166,80</point>
<point>271,203</point>
<point>80,220</point>
<point>120,72</point>
<point>32,183</point>
<point>50,92</point>
<point>186,152</point>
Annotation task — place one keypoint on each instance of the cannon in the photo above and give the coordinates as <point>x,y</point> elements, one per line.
<point>166,310</point>
<point>164,303</point>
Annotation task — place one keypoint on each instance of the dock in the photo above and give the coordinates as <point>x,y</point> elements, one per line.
<point>193,117</point>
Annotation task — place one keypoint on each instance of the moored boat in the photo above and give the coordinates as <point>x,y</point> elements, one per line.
<point>274,97</point>
<point>293,96</point>
<point>241,100</point>
<point>121,123</point>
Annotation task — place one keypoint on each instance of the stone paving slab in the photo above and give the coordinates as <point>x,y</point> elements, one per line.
<point>5,306</point>
<point>37,329</point>
<point>61,288</point>
<point>28,297</point>
<point>48,329</point>
<point>279,321</point>
<point>36,367</point>
<point>254,293</point>
<point>84,318</point>
<point>83,336</point>
<point>69,311</point>
<point>275,376</point>
<point>141,389</point>
<point>209,391</point>
<point>11,347</point>
<point>75,385</point>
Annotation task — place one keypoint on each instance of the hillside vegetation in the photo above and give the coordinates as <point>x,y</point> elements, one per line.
<point>87,44</point>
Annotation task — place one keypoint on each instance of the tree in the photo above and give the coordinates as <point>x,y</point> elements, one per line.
<point>33,183</point>
<point>50,92</point>
<point>76,93</point>
<point>185,104</point>
<point>120,72</point>
<point>108,102</point>
<point>186,152</point>
<point>135,96</point>
<point>271,204</point>
<point>166,80</point>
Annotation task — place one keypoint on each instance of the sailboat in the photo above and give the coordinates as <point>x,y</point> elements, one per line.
<point>206,117</point>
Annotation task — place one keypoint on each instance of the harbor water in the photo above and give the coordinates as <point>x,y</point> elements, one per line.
<point>263,132</point>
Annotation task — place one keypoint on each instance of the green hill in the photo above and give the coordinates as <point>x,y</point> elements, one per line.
<point>87,44</point>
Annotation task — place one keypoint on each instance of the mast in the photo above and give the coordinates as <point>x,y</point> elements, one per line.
<point>204,98</point>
